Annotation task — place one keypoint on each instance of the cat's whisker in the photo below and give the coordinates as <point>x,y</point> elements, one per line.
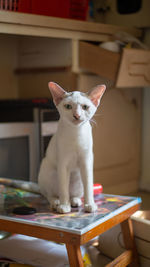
<point>97,114</point>
<point>93,122</point>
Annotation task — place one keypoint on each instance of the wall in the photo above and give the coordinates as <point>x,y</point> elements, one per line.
<point>8,62</point>
<point>145,174</point>
<point>111,15</point>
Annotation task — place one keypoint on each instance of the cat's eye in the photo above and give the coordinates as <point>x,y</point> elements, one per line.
<point>85,107</point>
<point>68,106</point>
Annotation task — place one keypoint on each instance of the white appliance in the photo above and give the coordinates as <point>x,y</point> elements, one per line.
<point>24,137</point>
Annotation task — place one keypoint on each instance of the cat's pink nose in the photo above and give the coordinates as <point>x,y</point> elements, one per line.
<point>76,116</point>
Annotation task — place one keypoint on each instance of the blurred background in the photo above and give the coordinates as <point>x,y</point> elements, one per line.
<point>89,42</point>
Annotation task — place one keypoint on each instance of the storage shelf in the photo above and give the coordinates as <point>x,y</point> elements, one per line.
<point>130,68</point>
<point>44,26</point>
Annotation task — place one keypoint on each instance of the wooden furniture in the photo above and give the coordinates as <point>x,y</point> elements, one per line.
<point>73,229</point>
<point>130,68</point>
<point>34,25</point>
<point>127,69</point>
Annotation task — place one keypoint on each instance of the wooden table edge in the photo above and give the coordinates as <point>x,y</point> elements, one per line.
<point>101,228</point>
<point>61,236</point>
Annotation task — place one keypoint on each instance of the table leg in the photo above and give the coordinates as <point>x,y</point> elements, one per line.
<point>74,255</point>
<point>128,236</point>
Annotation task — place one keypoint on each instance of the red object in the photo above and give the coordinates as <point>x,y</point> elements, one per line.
<point>56,8</point>
<point>97,188</point>
<point>75,9</point>
<point>24,6</point>
<point>16,5</point>
<point>78,9</point>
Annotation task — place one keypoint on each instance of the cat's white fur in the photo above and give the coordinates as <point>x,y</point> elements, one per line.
<point>66,172</point>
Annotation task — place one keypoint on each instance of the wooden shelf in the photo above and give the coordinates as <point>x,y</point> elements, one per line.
<point>130,68</point>
<point>44,26</point>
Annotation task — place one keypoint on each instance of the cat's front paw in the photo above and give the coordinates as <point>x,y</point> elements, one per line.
<point>76,202</point>
<point>63,208</point>
<point>54,202</point>
<point>90,207</point>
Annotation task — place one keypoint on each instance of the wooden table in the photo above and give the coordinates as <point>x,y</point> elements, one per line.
<point>75,228</point>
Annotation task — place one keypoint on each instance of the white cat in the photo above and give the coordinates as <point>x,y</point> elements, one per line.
<point>67,169</point>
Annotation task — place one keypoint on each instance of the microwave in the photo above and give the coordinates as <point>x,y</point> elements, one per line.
<point>26,128</point>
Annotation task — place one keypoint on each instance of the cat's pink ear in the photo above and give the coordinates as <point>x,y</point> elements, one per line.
<point>96,94</point>
<point>57,92</point>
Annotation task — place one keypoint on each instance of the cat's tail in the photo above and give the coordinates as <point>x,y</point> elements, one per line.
<point>20,184</point>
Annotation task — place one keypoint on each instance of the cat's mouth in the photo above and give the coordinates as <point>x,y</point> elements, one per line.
<point>76,122</point>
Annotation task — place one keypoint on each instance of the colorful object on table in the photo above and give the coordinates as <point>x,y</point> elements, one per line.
<point>76,221</point>
<point>97,188</point>
<point>24,210</point>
